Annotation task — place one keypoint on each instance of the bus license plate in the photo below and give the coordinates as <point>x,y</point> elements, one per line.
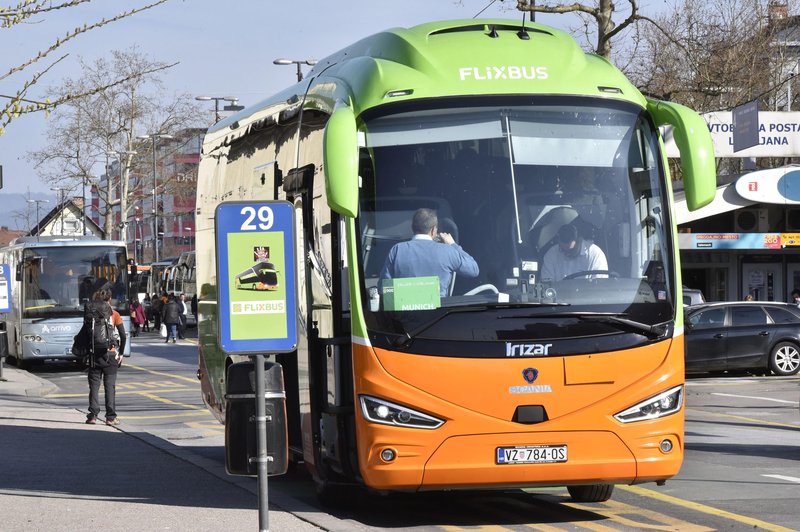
<point>532,454</point>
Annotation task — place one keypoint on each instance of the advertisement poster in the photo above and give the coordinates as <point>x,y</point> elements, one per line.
<point>256,277</point>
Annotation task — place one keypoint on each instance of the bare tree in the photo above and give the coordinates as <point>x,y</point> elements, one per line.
<point>101,128</point>
<point>718,54</point>
<point>597,18</point>
<point>28,72</point>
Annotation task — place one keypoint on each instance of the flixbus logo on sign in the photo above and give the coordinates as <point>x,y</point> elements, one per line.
<point>502,72</point>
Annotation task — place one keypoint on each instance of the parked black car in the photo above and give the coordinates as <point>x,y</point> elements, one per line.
<point>758,336</point>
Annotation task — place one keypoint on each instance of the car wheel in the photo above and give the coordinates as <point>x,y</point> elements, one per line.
<point>784,359</point>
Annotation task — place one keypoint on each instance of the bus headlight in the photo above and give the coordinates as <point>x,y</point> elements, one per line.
<point>31,338</point>
<point>386,413</point>
<point>663,404</point>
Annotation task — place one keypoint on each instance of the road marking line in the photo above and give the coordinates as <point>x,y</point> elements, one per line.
<point>175,403</point>
<point>163,416</point>
<point>782,477</point>
<point>743,418</point>
<point>128,392</point>
<point>639,518</point>
<point>757,523</point>
<point>754,397</point>
<point>162,373</point>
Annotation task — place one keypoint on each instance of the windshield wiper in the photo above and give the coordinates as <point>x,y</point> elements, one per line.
<point>614,318</point>
<point>404,341</point>
<point>651,331</point>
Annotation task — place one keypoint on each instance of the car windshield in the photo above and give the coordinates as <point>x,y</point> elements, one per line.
<point>57,281</point>
<point>555,206</point>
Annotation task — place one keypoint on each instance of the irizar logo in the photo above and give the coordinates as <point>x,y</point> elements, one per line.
<point>502,72</point>
<point>527,350</point>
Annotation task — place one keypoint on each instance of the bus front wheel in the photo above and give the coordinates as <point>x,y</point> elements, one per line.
<point>591,492</point>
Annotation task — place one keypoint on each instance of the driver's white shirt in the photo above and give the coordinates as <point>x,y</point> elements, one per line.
<point>557,265</point>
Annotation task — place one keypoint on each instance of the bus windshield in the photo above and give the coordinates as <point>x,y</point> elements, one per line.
<point>560,203</point>
<point>57,281</point>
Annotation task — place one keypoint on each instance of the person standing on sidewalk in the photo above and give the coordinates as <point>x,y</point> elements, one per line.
<point>184,309</point>
<point>171,317</point>
<point>105,360</point>
<point>156,308</point>
<point>137,316</point>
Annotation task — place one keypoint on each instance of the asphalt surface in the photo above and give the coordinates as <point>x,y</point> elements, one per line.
<point>58,473</point>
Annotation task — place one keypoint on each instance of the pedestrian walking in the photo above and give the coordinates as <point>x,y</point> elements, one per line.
<point>137,316</point>
<point>105,356</point>
<point>171,317</point>
<point>156,307</point>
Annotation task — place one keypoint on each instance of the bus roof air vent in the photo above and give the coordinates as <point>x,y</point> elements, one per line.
<point>490,30</point>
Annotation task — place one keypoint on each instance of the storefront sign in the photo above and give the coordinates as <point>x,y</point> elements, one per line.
<point>729,240</point>
<point>778,135</point>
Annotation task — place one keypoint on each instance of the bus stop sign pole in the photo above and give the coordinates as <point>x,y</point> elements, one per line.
<point>257,300</point>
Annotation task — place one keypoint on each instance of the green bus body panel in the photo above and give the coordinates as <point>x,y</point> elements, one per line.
<point>697,151</point>
<point>436,60</point>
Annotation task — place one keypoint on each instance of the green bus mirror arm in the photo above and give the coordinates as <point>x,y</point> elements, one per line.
<point>697,151</point>
<point>340,160</point>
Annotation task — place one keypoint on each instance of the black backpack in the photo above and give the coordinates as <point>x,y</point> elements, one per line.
<point>101,331</point>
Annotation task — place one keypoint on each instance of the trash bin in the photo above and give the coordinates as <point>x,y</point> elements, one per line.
<point>241,443</point>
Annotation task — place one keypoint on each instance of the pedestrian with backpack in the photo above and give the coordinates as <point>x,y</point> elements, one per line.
<point>105,356</point>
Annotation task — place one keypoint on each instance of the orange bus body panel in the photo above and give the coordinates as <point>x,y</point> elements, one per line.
<point>474,396</point>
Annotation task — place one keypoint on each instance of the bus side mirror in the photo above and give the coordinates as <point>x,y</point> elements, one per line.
<point>697,151</point>
<point>18,272</point>
<point>341,162</point>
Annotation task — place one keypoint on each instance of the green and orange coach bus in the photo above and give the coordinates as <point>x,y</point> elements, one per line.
<point>510,379</point>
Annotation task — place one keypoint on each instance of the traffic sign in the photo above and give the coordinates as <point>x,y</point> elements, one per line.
<point>256,277</point>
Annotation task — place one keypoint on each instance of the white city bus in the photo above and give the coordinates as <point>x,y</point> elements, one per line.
<point>51,277</point>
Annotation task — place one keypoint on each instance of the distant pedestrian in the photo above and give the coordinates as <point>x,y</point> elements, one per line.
<point>156,307</point>
<point>171,317</point>
<point>148,313</point>
<point>137,316</point>
<point>184,309</point>
<point>194,308</point>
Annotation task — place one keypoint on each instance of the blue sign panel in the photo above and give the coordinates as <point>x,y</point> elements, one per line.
<point>5,288</point>
<point>256,277</point>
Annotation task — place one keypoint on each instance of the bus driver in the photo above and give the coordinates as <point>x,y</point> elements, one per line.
<point>572,254</point>
<point>428,253</point>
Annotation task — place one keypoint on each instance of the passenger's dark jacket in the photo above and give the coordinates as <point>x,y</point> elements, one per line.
<point>171,313</point>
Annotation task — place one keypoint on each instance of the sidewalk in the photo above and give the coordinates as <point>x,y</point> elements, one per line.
<point>57,473</point>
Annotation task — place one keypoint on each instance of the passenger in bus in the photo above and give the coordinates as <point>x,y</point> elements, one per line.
<point>428,253</point>
<point>572,254</point>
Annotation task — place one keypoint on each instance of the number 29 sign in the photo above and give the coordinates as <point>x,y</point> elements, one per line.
<point>256,277</point>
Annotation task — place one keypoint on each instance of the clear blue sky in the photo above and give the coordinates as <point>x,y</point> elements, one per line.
<point>224,48</point>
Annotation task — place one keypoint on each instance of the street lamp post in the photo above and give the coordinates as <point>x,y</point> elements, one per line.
<point>37,202</point>
<point>297,62</point>
<point>232,106</point>
<point>154,137</point>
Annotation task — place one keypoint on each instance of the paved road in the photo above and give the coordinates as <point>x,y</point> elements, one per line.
<point>742,466</point>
